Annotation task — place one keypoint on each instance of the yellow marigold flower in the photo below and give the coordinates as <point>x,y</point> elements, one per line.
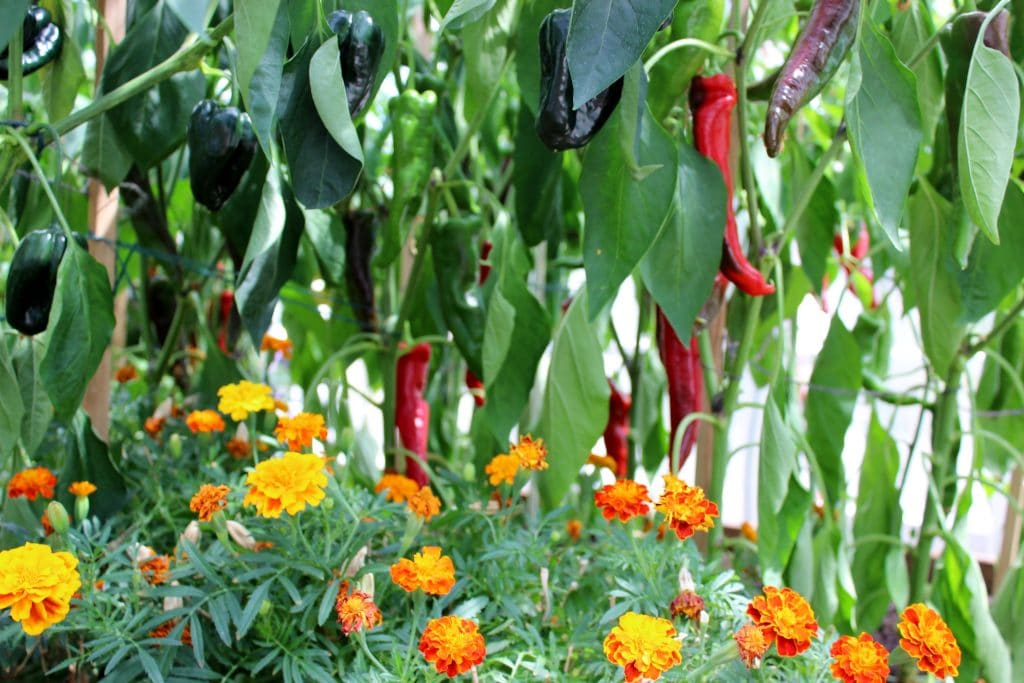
<point>32,483</point>
<point>274,344</point>
<point>424,503</point>
<point>749,532</point>
<point>356,610</point>
<point>752,645</point>
<point>126,373</point>
<point>624,499</point>
<point>784,618</point>
<point>644,646</point>
<point>238,400</point>
<point>927,638</point>
<point>399,487</point>
<point>299,431</point>
<point>204,421</point>
<point>239,449</point>
<point>502,468</point>
<point>605,461</point>
<point>532,454</point>
<point>156,570</point>
<point>687,604</point>
<point>453,645</point>
<point>80,489</point>
<point>685,508</point>
<point>37,584</point>
<point>428,570</point>
<point>164,631</point>
<point>209,499</point>
<point>574,528</point>
<point>286,484</point>
<point>859,660</point>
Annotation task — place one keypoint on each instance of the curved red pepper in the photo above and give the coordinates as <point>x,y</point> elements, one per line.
<point>616,433</point>
<point>473,383</point>
<point>412,412</point>
<point>712,100</point>
<point>685,375</point>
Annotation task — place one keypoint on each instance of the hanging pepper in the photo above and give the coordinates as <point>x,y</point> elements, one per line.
<point>360,233</point>
<point>221,145</point>
<point>361,47</point>
<point>559,126</point>
<point>814,59</point>
<point>685,386</point>
<point>412,412</point>
<point>455,267</point>
<point>41,43</point>
<point>616,432</point>
<point>473,383</point>
<point>712,100</point>
<point>227,303</point>
<point>32,279</point>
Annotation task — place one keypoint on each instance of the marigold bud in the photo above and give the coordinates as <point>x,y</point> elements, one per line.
<point>192,533</point>
<point>58,516</point>
<point>240,535</point>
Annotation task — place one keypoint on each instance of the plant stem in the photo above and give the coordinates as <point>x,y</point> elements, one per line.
<point>15,75</point>
<point>474,125</point>
<point>169,344</point>
<point>1000,327</point>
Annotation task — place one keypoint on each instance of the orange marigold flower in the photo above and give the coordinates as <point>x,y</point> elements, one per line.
<point>288,484</point>
<point>685,508</point>
<point>927,638</point>
<point>624,499</point>
<point>502,468</point>
<point>752,645</point>
<point>749,532</point>
<point>453,645</point>
<point>784,618</point>
<point>164,631</point>
<point>859,660</point>
<point>687,604</point>
<point>156,570</point>
<point>399,487</point>
<point>32,483</point>
<point>532,454</point>
<point>275,344</point>
<point>428,570</point>
<point>605,461</point>
<point>205,421</point>
<point>126,373</point>
<point>209,499</point>
<point>81,489</point>
<point>154,425</point>
<point>424,503</point>
<point>356,610</point>
<point>574,528</point>
<point>239,449</point>
<point>644,646</point>
<point>239,400</point>
<point>299,431</point>
<point>37,584</point>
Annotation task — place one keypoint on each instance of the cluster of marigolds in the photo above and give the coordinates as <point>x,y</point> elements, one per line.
<point>38,584</point>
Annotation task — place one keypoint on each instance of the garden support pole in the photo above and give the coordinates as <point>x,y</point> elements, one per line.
<point>1011,530</point>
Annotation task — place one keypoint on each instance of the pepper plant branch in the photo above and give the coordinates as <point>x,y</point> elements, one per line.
<point>34,161</point>
<point>687,42</point>
<point>1004,324</point>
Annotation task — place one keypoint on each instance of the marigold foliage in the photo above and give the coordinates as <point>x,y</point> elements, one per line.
<point>685,508</point>
<point>286,484</point>
<point>164,631</point>
<point>859,660</point>
<point>752,645</point>
<point>399,487</point>
<point>428,570</point>
<point>927,638</point>
<point>502,469</point>
<point>209,500</point>
<point>644,646</point>
<point>298,432</point>
<point>37,585</point>
<point>453,645</point>
<point>785,619</point>
<point>32,483</point>
<point>624,499</point>
<point>424,503</point>
<point>356,610</point>
<point>204,421</point>
<point>533,455</point>
<point>82,488</point>
<point>239,400</point>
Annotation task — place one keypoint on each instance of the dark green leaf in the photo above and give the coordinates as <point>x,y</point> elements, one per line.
<point>264,88</point>
<point>12,14</point>
<point>463,12</point>
<point>994,271</point>
<point>537,176</point>
<point>488,41</point>
<point>104,156</point>
<point>192,13</point>
<point>254,24</point>
<point>12,410</point>
<point>38,411</point>
<point>817,224</point>
<point>62,78</point>
<point>911,28</point>
<point>531,14</point>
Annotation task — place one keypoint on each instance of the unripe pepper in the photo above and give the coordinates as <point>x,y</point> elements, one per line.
<point>474,383</point>
<point>685,376</point>
<point>616,432</point>
<point>360,233</point>
<point>361,46</point>
<point>455,266</point>
<point>412,411</point>
<point>32,279</point>
<point>41,43</point>
<point>559,126</point>
<point>712,100</point>
<point>221,145</point>
<point>814,59</point>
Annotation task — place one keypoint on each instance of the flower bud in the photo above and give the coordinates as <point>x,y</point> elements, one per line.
<point>192,533</point>
<point>357,562</point>
<point>171,602</point>
<point>240,535</point>
<point>81,507</point>
<point>174,445</point>
<point>58,516</point>
<point>366,584</point>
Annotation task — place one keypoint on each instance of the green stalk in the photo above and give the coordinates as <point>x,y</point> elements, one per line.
<point>15,76</point>
<point>169,344</point>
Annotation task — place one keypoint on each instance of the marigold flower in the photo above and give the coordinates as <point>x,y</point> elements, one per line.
<point>687,604</point>
<point>927,638</point>
<point>209,499</point>
<point>154,425</point>
<point>859,660</point>
<point>37,584</point>
<point>685,508</point>
<point>574,528</point>
<point>502,468</point>
<point>239,400</point>
<point>126,373</point>
<point>275,344</point>
<point>32,483</point>
<point>644,646</point>
<point>532,454</point>
<point>784,618</point>
<point>428,570</point>
<point>424,503</point>
<point>156,569</point>
<point>239,449</point>
<point>356,610</point>
<point>81,489</point>
<point>204,421</point>
<point>605,461</point>
<point>286,484</point>
<point>752,645</point>
<point>399,487</point>
<point>749,532</point>
<point>624,499</point>
<point>299,431</point>
<point>453,645</point>
<point>164,631</point>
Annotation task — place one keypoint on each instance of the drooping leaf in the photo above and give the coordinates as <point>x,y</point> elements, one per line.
<point>910,29</point>
<point>1006,610</point>
<point>463,12</point>
<point>11,15</point>
<point>63,77</point>
<point>993,271</point>
<point>264,88</point>
<point>192,13</point>
<point>326,85</point>
<point>104,156</point>
<point>254,24</point>
<point>488,41</point>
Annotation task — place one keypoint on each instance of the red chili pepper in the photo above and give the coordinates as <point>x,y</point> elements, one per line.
<point>712,100</point>
<point>412,412</point>
<point>685,385</point>
<point>473,383</point>
<point>227,302</point>
<point>616,433</point>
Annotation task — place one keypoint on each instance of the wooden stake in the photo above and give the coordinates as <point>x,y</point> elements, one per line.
<point>1011,531</point>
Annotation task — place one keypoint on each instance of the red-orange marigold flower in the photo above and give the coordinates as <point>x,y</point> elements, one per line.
<point>239,449</point>
<point>624,499</point>
<point>643,645</point>
<point>752,645</point>
<point>154,425</point>
<point>453,645</point>
<point>784,618</point>
<point>685,508</point>
<point>209,500</point>
<point>687,604</point>
<point>164,631</point>
<point>126,373</point>
<point>399,487</point>
<point>356,610</point>
<point>532,454</point>
<point>299,431</point>
<point>424,503</point>
<point>927,638</point>
<point>859,660</point>
<point>205,421</point>
<point>156,570</point>
<point>574,528</point>
<point>32,483</point>
<point>428,569</point>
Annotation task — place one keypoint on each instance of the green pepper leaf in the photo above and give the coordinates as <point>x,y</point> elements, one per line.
<point>993,271</point>
<point>263,91</point>
<point>326,85</point>
<point>463,12</point>
<point>537,177</point>
<point>816,226</point>
<point>12,409</point>
<point>531,14</point>
<point>12,14</point>
<point>38,410</point>
<point>254,26</point>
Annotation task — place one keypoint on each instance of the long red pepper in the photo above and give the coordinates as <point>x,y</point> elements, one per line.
<point>473,383</point>
<point>712,100</point>
<point>616,433</point>
<point>412,412</point>
<point>685,386</point>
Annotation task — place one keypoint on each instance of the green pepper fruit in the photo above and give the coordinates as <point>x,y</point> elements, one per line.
<point>221,146</point>
<point>361,44</point>
<point>700,19</point>
<point>456,266</point>
<point>41,42</point>
<point>32,279</point>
